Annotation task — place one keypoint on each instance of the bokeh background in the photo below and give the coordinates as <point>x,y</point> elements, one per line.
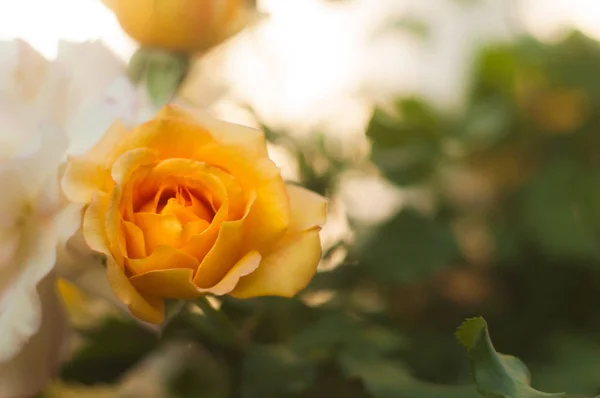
<point>458,142</point>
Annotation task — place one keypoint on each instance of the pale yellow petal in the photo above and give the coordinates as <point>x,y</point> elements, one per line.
<point>83,178</point>
<point>269,217</point>
<point>94,223</point>
<point>130,161</point>
<point>149,309</point>
<point>248,264</point>
<point>171,138</point>
<point>285,271</point>
<point>100,153</point>
<point>252,140</point>
<point>308,209</point>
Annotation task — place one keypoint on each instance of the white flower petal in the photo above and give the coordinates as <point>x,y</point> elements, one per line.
<point>39,171</point>
<point>20,308</point>
<point>91,67</point>
<point>119,101</point>
<point>22,70</point>
<point>29,371</point>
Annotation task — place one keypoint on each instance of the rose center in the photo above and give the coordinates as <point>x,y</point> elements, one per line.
<point>181,202</point>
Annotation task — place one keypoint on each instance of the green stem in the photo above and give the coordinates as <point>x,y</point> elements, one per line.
<point>222,328</point>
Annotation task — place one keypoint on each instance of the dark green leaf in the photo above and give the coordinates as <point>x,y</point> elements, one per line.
<point>574,366</point>
<point>405,145</point>
<point>108,352</point>
<point>274,371</point>
<point>561,209</point>
<point>409,247</point>
<point>384,378</point>
<point>201,376</point>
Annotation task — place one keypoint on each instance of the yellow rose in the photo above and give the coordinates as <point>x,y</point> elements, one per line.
<point>181,25</point>
<point>186,205</point>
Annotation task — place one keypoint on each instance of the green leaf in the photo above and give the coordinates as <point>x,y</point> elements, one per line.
<point>560,208</point>
<point>108,352</point>
<point>337,332</point>
<point>405,145</point>
<point>496,375</point>
<point>387,378</point>
<point>202,375</point>
<point>495,73</point>
<point>574,366</point>
<point>401,251</point>
<point>274,371</point>
<point>486,124</point>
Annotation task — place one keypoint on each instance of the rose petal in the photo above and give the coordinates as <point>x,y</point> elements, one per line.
<point>199,245</point>
<point>86,174</point>
<point>169,137</point>
<point>308,209</point>
<point>192,174</point>
<point>178,284</point>
<point>82,179</point>
<point>127,171</point>
<point>167,283</point>
<point>130,161</point>
<point>235,195</point>
<point>248,264</point>
<point>269,217</point>
<point>270,214</point>
<point>159,229</point>
<point>224,254</point>
<point>193,228</point>
<point>114,227</point>
<point>149,309</point>
<point>131,200</point>
<point>185,214</point>
<point>196,212</point>
<point>94,223</point>
<point>285,271</point>
<point>100,152</point>
<point>164,257</point>
<point>135,242</point>
<point>250,139</point>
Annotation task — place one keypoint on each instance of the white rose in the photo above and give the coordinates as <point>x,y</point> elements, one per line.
<point>33,222</point>
<point>47,111</point>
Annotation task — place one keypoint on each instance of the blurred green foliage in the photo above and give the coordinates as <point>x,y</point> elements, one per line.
<point>513,235</point>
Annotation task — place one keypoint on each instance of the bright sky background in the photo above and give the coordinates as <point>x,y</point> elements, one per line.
<point>320,59</point>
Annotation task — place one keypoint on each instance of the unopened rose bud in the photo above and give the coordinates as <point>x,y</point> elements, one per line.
<point>182,25</point>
